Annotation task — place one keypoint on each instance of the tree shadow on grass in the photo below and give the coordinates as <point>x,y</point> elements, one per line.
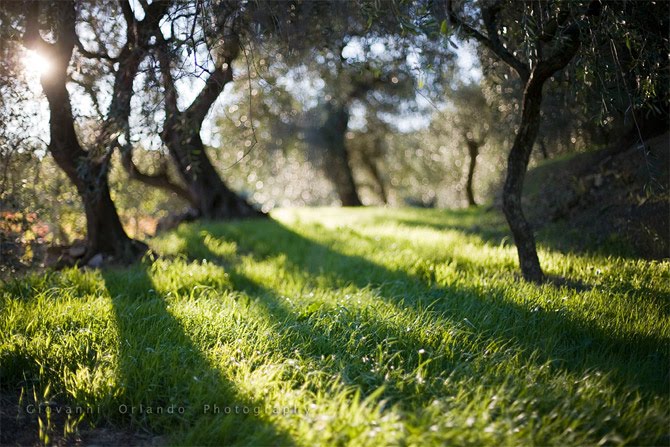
<point>555,239</point>
<point>166,382</point>
<point>639,361</point>
<point>361,350</point>
<point>558,237</point>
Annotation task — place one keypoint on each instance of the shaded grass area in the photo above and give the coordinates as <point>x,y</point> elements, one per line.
<point>352,327</point>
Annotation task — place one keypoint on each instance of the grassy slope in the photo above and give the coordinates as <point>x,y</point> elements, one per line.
<point>614,198</point>
<point>366,327</point>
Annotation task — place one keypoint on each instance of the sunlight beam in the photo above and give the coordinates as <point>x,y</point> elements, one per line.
<point>35,62</point>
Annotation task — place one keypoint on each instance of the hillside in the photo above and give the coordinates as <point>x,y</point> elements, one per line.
<point>615,199</point>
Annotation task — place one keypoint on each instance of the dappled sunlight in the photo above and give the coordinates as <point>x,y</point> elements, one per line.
<point>162,366</point>
<point>461,318</point>
<point>527,304</point>
<point>334,223</point>
<point>369,337</point>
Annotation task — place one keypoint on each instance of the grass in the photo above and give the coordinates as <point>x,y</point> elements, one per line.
<point>346,327</point>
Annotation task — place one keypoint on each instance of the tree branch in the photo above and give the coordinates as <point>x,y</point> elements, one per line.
<point>91,54</point>
<point>566,48</point>
<point>214,85</point>
<point>129,61</point>
<point>218,79</point>
<point>64,144</point>
<point>127,12</point>
<point>160,179</point>
<point>31,37</point>
<point>492,42</point>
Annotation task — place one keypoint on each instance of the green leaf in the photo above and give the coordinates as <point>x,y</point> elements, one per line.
<point>444,28</point>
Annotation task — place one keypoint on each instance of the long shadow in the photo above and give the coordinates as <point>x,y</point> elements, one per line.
<point>550,235</point>
<point>580,348</point>
<point>553,239</point>
<point>320,334</point>
<point>166,382</point>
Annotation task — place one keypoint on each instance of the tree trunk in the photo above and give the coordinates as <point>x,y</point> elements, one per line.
<point>473,151</point>
<point>564,46</point>
<point>339,172</point>
<point>105,234</point>
<point>543,149</point>
<point>337,161</point>
<point>517,164</point>
<point>374,171</point>
<point>104,231</point>
<point>210,196</point>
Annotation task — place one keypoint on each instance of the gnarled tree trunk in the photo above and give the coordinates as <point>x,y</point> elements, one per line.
<point>336,159</point>
<point>105,234</point>
<point>210,196</point>
<point>201,186</point>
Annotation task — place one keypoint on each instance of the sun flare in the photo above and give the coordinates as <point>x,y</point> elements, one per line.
<point>34,62</point>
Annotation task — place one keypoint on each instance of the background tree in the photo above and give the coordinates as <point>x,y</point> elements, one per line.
<point>469,120</point>
<point>369,149</point>
<point>204,36</point>
<point>539,39</point>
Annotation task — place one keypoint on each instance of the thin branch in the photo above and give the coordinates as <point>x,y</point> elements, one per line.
<point>215,83</point>
<point>492,42</point>
<point>93,55</point>
<point>160,179</point>
<point>251,116</point>
<point>91,91</point>
<point>566,48</point>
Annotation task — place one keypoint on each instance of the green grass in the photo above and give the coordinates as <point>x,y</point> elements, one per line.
<point>350,327</point>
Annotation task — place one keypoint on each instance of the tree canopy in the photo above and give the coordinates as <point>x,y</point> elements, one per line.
<point>217,106</point>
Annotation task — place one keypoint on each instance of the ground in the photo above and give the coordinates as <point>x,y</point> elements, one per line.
<point>342,326</point>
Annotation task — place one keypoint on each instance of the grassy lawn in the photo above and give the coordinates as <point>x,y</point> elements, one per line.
<point>345,327</point>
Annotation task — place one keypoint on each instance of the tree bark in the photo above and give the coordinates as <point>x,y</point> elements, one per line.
<point>517,163</point>
<point>337,159</point>
<point>105,233</point>
<point>473,152</point>
<point>138,41</point>
<point>564,46</point>
<point>376,174</point>
<point>210,196</point>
